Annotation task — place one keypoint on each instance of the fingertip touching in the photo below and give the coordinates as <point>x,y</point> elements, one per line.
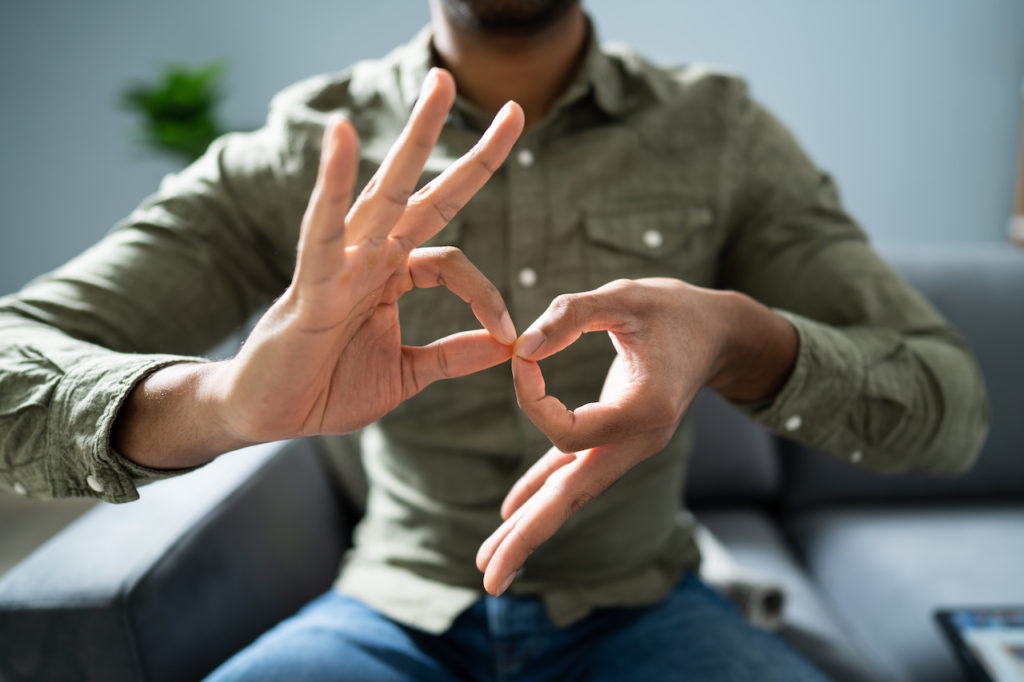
<point>528,380</point>
<point>508,329</point>
<point>529,343</point>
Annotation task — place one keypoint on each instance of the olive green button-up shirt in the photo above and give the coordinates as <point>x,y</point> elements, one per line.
<point>637,171</point>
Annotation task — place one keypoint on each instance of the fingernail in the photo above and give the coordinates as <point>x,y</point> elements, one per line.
<point>529,343</point>
<point>508,581</point>
<point>504,111</point>
<point>508,330</point>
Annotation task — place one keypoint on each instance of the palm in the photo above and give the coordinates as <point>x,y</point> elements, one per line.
<point>328,357</point>
<point>371,368</point>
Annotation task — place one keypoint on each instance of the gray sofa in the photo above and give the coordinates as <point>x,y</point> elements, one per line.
<point>167,587</point>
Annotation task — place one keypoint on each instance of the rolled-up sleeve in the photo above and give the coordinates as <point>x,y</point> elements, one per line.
<point>184,271</point>
<point>56,419</point>
<point>881,380</point>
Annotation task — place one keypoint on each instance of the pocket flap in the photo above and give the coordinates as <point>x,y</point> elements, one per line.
<point>651,233</point>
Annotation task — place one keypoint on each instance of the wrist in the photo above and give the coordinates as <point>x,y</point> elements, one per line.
<point>175,418</point>
<point>758,350</point>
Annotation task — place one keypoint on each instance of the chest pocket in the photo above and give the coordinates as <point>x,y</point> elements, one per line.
<point>676,242</point>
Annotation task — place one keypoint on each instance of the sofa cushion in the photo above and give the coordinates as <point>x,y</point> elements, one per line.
<point>755,543</point>
<point>734,460</point>
<point>168,587</point>
<point>887,569</point>
<point>980,290</point>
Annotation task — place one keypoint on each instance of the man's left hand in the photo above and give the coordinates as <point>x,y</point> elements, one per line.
<point>671,339</point>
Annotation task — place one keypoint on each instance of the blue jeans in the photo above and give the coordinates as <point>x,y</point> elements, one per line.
<point>693,634</point>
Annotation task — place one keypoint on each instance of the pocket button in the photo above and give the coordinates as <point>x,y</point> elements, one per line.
<point>653,239</point>
<point>525,158</point>
<point>527,277</point>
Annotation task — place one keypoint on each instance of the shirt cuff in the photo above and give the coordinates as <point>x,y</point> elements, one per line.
<point>819,403</point>
<point>85,404</point>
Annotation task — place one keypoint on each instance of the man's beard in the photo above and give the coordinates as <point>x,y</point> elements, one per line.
<point>507,17</point>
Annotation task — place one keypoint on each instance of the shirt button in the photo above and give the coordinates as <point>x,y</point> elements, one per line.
<point>793,423</point>
<point>94,483</point>
<point>527,277</point>
<point>20,488</point>
<point>525,158</point>
<point>653,239</point>
<point>856,456</point>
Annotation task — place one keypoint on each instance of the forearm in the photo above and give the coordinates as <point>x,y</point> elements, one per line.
<point>880,380</point>
<point>59,397</point>
<point>172,419</point>
<point>885,399</point>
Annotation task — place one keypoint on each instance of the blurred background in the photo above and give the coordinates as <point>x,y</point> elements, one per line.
<point>914,106</point>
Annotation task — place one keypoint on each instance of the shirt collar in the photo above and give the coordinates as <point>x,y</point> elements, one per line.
<point>597,73</point>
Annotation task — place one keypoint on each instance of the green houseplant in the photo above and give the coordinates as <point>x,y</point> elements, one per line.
<point>179,110</point>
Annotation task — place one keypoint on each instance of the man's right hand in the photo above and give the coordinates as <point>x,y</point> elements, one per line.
<point>327,356</point>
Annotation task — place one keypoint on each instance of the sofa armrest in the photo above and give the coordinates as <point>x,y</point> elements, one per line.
<point>169,586</point>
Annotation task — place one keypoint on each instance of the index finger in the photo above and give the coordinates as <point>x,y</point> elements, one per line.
<point>449,267</point>
<point>574,430</point>
<point>564,492</point>
<point>430,209</point>
<point>383,200</point>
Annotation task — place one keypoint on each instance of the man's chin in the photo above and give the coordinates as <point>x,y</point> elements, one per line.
<point>508,17</point>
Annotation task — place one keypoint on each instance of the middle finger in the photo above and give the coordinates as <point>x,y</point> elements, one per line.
<point>383,200</point>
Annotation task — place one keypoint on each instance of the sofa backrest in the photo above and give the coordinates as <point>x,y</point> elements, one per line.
<point>980,290</point>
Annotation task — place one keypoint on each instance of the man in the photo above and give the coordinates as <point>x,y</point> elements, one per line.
<point>675,213</point>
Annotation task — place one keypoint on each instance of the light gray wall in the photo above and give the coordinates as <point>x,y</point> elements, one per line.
<point>913,104</point>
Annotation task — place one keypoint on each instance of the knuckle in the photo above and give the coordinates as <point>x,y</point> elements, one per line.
<point>444,208</point>
<point>526,545</point>
<point>563,302</point>
<point>568,443</point>
<point>442,362</point>
<point>397,196</point>
<point>330,197</point>
<point>421,143</point>
<point>405,243</point>
<point>412,377</point>
<point>663,413</point>
<point>481,159</point>
<point>371,186</point>
<point>568,307</point>
<point>620,285</point>
<point>631,293</point>
<point>375,190</point>
<point>493,294</point>
<point>449,255</point>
